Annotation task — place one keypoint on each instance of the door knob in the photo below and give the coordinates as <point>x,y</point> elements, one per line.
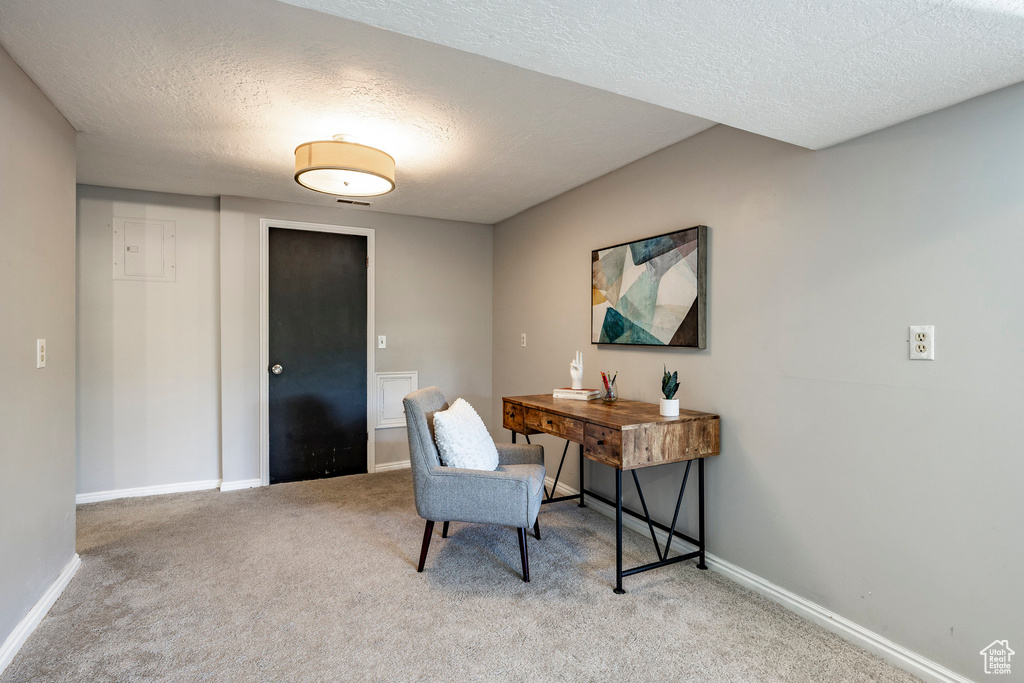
<point>277,369</point>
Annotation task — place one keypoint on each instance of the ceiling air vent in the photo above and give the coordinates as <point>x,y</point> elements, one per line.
<point>353,202</point>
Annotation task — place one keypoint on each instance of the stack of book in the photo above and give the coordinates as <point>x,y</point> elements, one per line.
<point>576,394</point>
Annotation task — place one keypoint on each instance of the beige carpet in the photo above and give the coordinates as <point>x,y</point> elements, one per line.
<point>315,581</point>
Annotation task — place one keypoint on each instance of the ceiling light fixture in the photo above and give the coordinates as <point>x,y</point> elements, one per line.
<point>345,168</point>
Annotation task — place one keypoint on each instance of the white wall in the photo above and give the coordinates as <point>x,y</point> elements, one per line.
<point>149,352</point>
<point>884,489</point>
<point>433,301</point>
<point>37,300</point>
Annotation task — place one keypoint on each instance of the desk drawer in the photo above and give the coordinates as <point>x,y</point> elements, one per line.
<point>565,427</point>
<point>603,445</point>
<point>513,417</point>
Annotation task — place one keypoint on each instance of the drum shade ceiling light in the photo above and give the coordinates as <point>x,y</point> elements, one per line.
<point>345,168</point>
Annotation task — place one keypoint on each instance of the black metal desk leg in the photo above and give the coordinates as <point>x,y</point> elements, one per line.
<point>582,504</point>
<point>700,514</point>
<point>618,532</point>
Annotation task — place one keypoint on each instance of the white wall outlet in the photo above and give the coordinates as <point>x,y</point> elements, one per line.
<point>523,340</point>
<point>922,342</point>
<point>382,341</point>
<point>40,353</point>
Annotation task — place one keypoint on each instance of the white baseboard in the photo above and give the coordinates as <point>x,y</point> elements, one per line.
<point>184,486</point>
<point>157,490</point>
<point>240,484</point>
<point>898,655</point>
<point>35,615</point>
<point>389,466</point>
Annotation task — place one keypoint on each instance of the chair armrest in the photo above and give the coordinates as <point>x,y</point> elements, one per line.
<point>520,454</point>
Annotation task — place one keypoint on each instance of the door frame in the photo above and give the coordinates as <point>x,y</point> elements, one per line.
<point>368,233</point>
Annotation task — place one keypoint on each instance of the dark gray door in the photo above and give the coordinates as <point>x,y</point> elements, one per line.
<point>317,334</point>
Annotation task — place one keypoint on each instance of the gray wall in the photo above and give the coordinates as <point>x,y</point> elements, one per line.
<point>162,364</point>
<point>885,490</point>
<point>37,300</point>
<point>433,301</point>
<point>149,352</point>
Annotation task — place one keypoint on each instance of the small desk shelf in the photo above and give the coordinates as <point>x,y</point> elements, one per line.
<point>625,435</point>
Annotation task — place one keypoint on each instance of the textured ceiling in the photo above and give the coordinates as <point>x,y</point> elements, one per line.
<point>488,108</point>
<point>211,98</point>
<point>810,72</point>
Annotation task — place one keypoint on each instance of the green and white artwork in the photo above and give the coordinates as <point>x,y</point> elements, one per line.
<point>651,292</point>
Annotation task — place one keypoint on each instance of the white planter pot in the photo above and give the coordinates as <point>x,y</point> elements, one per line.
<point>670,407</point>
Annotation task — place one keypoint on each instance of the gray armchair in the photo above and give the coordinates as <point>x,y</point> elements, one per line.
<point>509,496</point>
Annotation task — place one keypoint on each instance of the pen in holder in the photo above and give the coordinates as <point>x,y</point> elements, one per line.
<point>609,393</point>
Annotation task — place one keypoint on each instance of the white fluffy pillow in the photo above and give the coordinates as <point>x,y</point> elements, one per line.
<point>462,439</point>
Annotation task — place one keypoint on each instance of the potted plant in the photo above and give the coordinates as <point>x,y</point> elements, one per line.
<point>669,387</point>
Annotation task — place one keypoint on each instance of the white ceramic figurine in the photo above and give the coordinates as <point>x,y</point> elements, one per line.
<point>576,371</point>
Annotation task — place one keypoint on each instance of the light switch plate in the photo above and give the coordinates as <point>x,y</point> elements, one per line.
<point>922,342</point>
<point>382,341</point>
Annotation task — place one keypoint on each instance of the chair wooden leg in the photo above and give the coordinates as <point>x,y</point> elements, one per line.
<point>536,528</point>
<point>522,553</point>
<point>444,530</point>
<point>426,544</point>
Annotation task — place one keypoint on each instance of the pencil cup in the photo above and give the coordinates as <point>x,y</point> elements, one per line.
<point>609,393</point>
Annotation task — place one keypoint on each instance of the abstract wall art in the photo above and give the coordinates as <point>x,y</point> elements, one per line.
<point>652,292</point>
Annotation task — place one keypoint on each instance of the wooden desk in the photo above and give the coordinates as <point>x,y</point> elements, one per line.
<point>625,435</point>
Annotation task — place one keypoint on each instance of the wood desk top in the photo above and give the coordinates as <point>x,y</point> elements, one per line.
<point>623,414</point>
<point>625,434</point>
